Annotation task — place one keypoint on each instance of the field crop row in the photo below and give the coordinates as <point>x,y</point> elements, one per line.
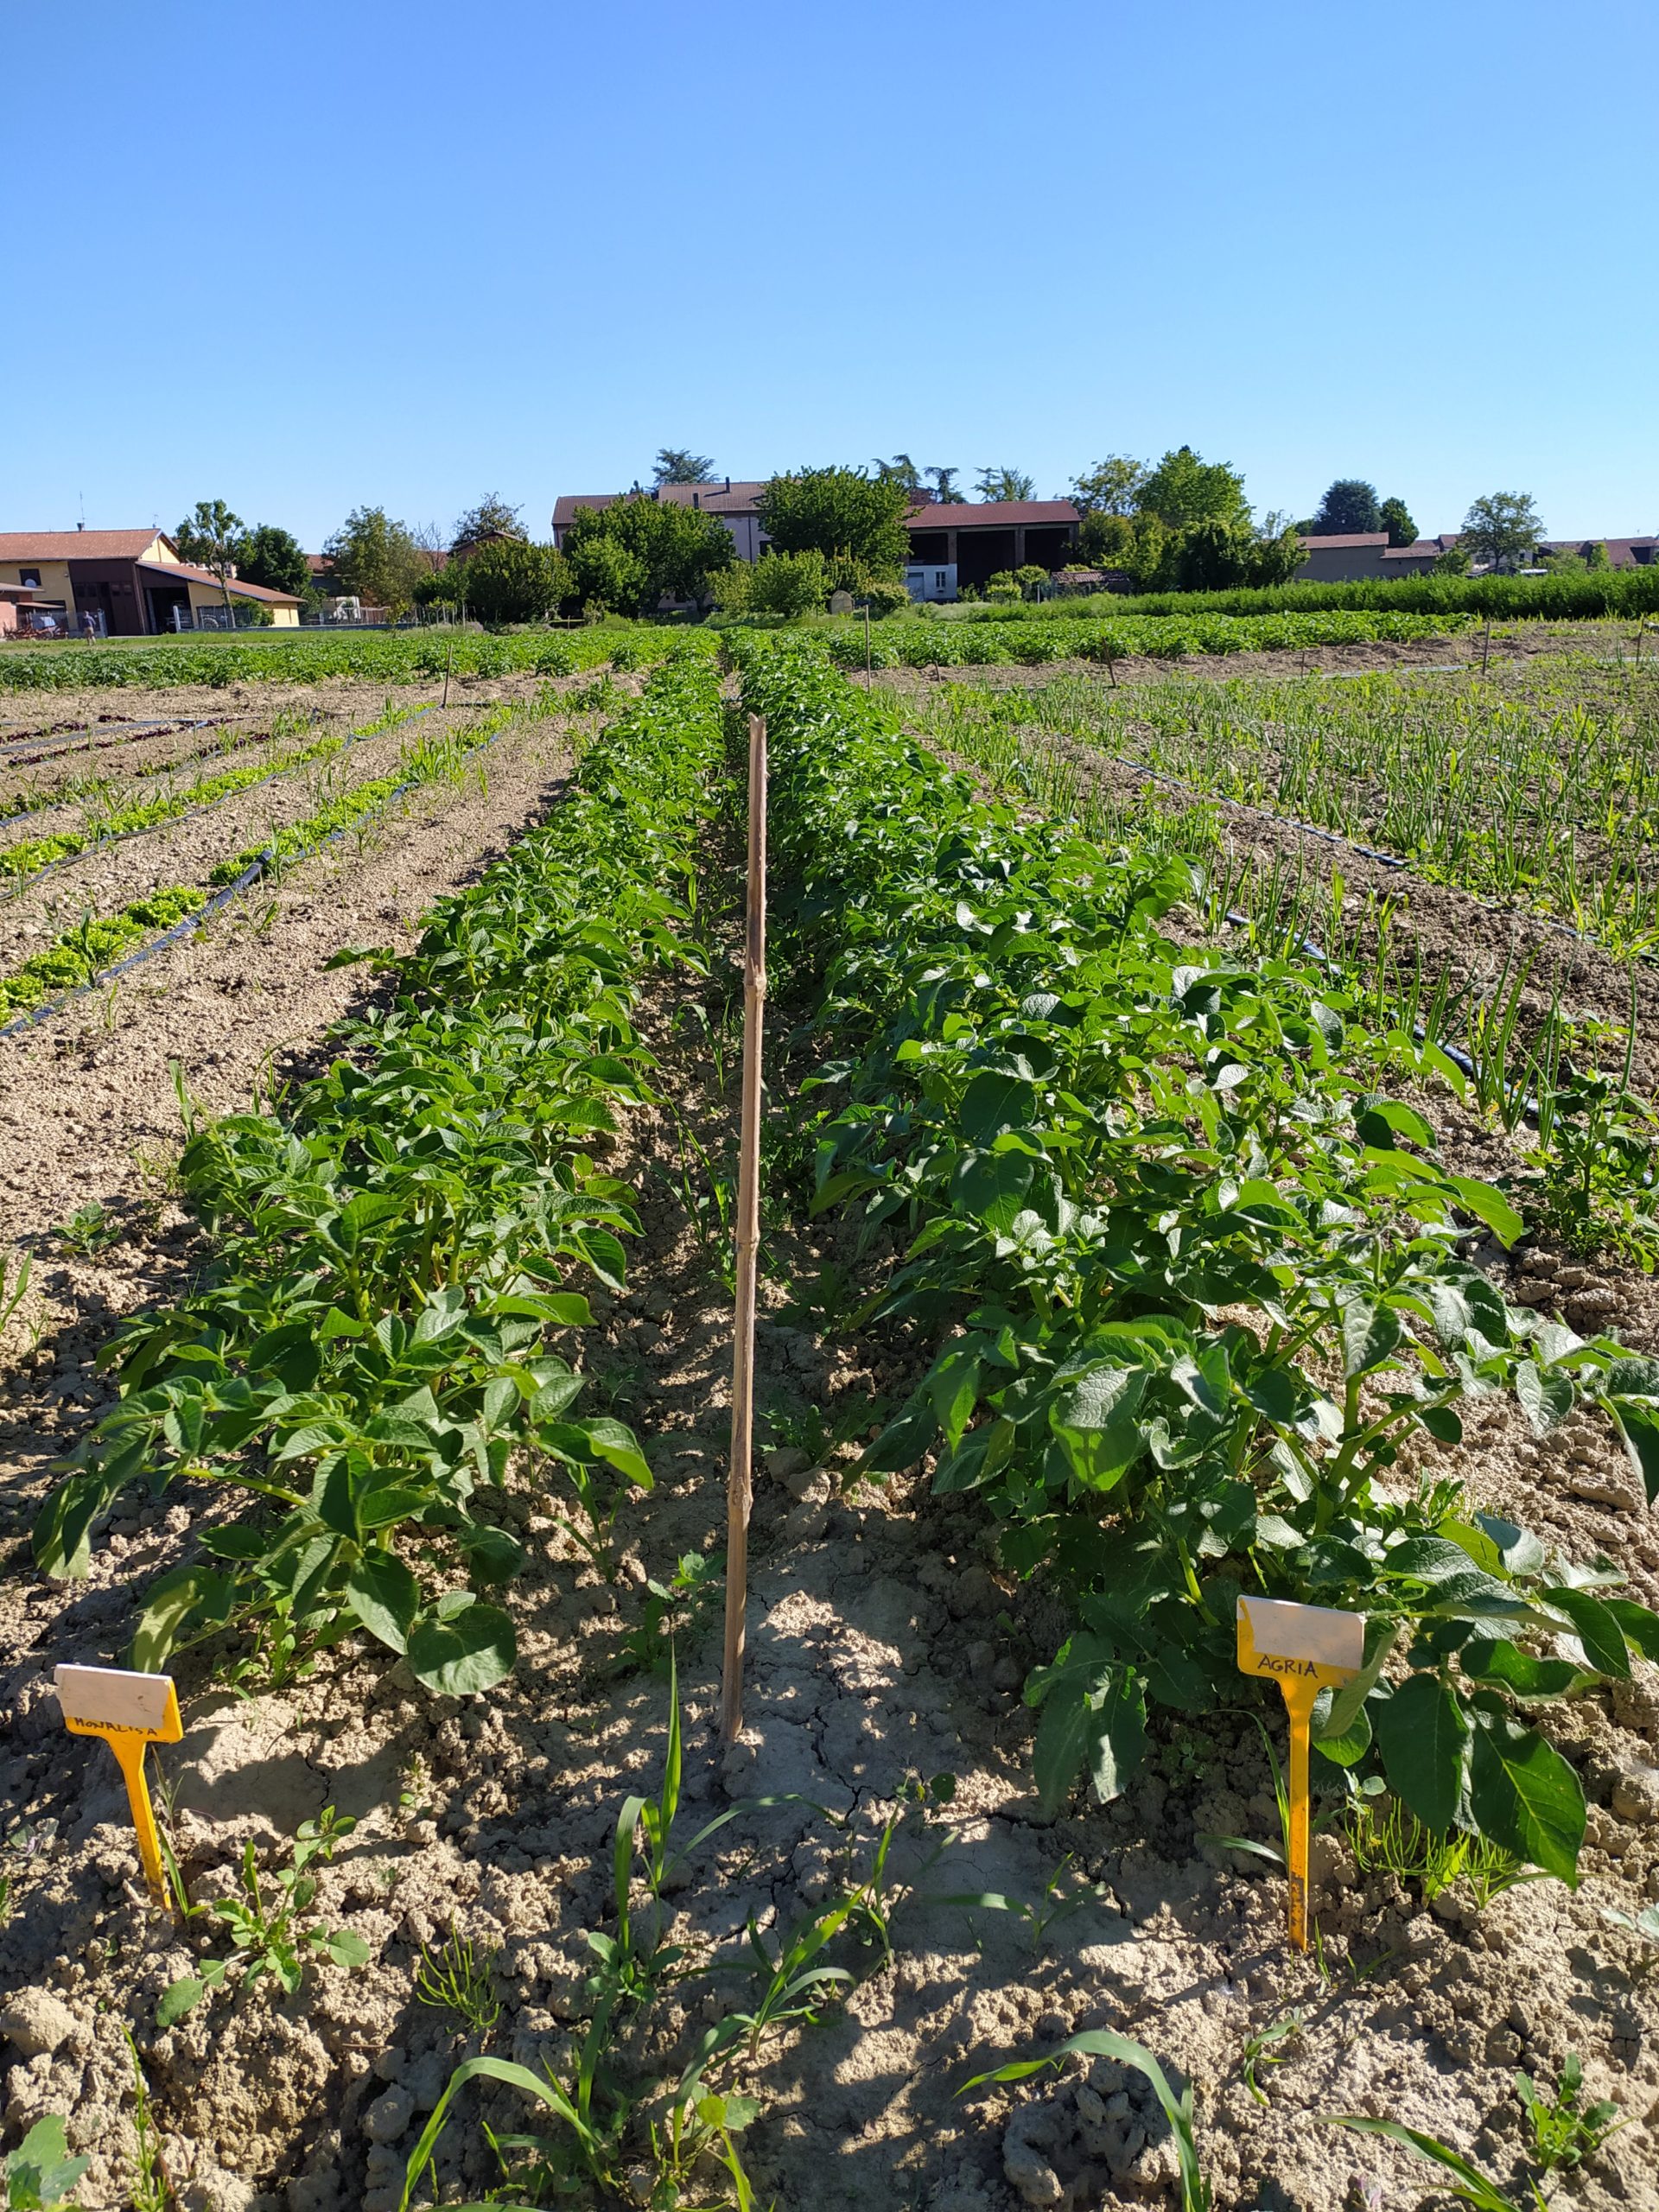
<point>1543,793</point>
<point>31,855</point>
<point>942,644</point>
<point>394,657</point>
<point>1598,595</point>
<point>395,1251</point>
<point>78,957</point>
<point>1093,1143</point>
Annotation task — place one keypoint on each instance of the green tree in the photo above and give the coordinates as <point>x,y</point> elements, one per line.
<point>1000,485</point>
<point>1453,561</point>
<point>624,556</point>
<point>791,584</point>
<point>491,517</point>
<point>209,539</point>
<point>377,560</point>
<point>507,579</point>
<point>607,574</point>
<point>1349,506</point>
<point>1502,529</point>
<point>674,465</point>
<point>1185,490</point>
<point>273,558</point>
<point>840,512</point>
<point>945,493</point>
<point>1395,516</point>
<point>1110,488</point>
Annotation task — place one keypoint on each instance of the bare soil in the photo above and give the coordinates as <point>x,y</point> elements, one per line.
<point>884,1642</point>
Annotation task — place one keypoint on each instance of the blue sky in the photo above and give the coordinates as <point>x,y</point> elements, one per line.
<point>304,258</point>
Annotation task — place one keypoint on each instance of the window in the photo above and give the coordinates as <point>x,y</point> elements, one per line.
<point>31,577</point>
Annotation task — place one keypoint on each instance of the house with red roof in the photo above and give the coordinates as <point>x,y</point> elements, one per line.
<point>132,583</point>
<point>965,541</point>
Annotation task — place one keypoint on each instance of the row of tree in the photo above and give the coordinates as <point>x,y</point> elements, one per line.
<point>1179,524</point>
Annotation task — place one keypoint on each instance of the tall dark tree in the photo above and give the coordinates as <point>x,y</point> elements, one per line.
<point>1000,486</point>
<point>1349,507</point>
<point>273,558</point>
<point>1395,516</point>
<point>944,487</point>
<point>491,517</point>
<point>901,469</point>
<point>675,465</point>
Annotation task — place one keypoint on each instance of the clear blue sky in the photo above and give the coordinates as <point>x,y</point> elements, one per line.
<point>304,258</point>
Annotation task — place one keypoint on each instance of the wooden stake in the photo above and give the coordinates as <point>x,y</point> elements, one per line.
<point>739,1474</point>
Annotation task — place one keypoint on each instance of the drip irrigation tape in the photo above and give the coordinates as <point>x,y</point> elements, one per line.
<point>1455,1053</point>
<point>193,922</point>
<point>93,742</point>
<point>149,828</point>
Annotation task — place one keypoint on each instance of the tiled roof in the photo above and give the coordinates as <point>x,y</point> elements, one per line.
<point>1621,552</point>
<point>737,498</point>
<point>77,544</point>
<point>1344,542</point>
<point>206,576</point>
<point>990,514</point>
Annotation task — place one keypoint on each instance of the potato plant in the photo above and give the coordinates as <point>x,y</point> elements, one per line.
<point>1201,1293</point>
<point>396,1250</point>
<point>980,644</point>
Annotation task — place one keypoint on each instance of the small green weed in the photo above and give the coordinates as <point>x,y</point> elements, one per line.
<point>1468,2185</point>
<point>1562,2134</point>
<point>460,1979</point>
<point>266,1936</point>
<point>151,2191</point>
<point>88,1230</point>
<point>1259,2049</point>
<point>678,1607</point>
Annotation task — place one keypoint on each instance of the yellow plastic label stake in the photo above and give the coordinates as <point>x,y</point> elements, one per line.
<point>128,1711</point>
<point>1306,1649</point>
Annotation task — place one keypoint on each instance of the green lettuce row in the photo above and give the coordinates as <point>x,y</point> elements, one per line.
<point>1194,1282</point>
<point>83,953</point>
<point>396,1251</point>
<point>33,854</point>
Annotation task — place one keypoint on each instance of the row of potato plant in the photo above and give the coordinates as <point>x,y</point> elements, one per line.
<point>1196,1287</point>
<point>400,1252</point>
<point>944,644</point>
<point>389,657</point>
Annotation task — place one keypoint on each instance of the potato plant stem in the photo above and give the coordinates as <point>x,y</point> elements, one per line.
<point>739,1479</point>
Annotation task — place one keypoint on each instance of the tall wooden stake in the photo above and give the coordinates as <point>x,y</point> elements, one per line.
<point>739,1482</point>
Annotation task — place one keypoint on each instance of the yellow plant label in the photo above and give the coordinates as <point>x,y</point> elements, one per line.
<point>1305,1648</point>
<point>130,1712</point>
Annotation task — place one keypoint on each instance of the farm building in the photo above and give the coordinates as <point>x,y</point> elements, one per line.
<point>976,540</point>
<point>131,581</point>
<point>1357,554</point>
<point>733,502</point>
